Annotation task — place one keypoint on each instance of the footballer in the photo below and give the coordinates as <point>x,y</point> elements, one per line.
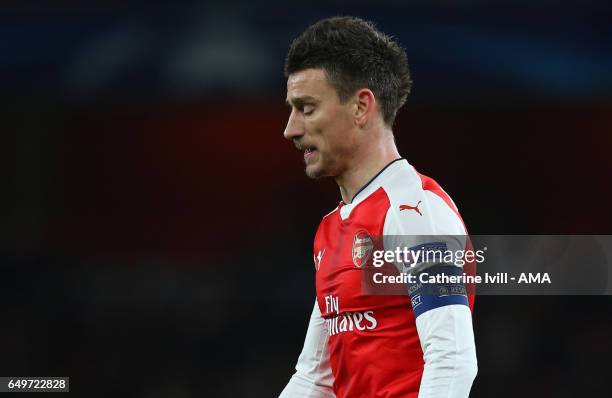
<point>346,81</point>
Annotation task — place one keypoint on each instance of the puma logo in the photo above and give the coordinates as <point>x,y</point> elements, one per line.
<point>415,208</point>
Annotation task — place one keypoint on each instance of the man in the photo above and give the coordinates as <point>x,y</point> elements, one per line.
<point>345,83</point>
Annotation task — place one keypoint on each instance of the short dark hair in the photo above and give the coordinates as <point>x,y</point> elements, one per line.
<point>354,55</point>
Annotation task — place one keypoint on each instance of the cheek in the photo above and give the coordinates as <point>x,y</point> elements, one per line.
<point>330,130</point>
<point>340,133</point>
<point>313,126</point>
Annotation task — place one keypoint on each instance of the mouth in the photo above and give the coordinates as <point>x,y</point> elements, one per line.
<point>309,153</point>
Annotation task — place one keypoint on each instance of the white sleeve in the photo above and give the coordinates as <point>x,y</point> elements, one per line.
<point>447,340</point>
<point>445,333</point>
<point>313,376</point>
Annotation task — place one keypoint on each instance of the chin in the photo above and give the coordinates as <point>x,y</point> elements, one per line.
<point>315,171</point>
<point>312,172</point>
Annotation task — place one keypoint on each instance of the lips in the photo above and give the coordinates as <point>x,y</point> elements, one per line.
<point>309,153</point>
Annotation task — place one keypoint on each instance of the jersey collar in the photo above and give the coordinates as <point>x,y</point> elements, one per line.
<point>371,186</point>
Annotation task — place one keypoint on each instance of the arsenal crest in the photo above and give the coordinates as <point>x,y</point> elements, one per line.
<point>362,248</point>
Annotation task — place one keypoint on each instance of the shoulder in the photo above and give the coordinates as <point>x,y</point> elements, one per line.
<point>328,222</point>
<point>419,205</point>
<point>329,214</point>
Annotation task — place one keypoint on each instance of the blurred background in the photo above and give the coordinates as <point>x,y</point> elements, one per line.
<point>157,228</point>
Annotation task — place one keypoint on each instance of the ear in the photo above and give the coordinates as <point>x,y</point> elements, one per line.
<point>365,106</point>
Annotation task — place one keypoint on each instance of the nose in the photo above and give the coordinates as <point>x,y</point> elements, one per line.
<point>295,128</point>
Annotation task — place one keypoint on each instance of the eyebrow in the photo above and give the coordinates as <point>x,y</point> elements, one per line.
<point>297,101</point>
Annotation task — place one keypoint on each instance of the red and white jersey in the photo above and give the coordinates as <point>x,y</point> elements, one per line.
<point>366,345</point>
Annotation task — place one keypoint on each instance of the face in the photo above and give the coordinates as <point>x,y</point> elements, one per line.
<point>320,125</point>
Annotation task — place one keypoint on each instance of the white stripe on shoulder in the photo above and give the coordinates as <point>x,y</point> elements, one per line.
<point>415,211</point>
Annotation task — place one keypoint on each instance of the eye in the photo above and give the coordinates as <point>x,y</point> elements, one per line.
<point>308,109</point>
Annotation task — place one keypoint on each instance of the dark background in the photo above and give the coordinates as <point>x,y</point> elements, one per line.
<point>157,228</point>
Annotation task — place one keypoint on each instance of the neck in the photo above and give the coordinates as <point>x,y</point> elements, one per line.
<point>366,164</point>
